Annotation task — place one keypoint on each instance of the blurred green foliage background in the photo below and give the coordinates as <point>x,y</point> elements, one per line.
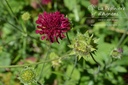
<point>19,44</point>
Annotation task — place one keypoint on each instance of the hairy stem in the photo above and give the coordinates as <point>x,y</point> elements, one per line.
<point>96,63</point>
<point>12,25</point>
<point>122,39</point>
<point>12,11</point>
<point>94,59</point>
<point>39,2</point>
<point>68,38</point>
<point>75,63</point>
<point>39,83</point>
<point>17,66</point>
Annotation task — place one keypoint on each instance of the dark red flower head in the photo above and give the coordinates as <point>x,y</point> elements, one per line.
<point>45,2</point>
<point>52,26</point>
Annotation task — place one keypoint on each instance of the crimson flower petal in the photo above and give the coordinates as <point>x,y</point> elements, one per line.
<point>52,26</point>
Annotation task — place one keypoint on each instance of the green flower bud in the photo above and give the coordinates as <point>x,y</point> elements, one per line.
<point>57,62</point>
<point>83,45</point>
<point>117,53</point>
<point>25,16</point>
<point>27,75</point>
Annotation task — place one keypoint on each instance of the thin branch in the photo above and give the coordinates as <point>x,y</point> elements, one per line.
<point>68,38</point>
<point>39,83</point>
<point>39,2</point>
<point>96,63</point>
<point>94,59</point>
<point>125,33</point>
<point>122,39</point>
<point>12,25</point>
<point>11,11</point>
<point>41,72</point>
<point>17,66</point>
<point>75,63</point>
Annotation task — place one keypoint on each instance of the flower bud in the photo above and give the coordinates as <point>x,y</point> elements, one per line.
<point>117,53</point>
<point>25,16</point>
<point>83,45</point>
<point>27,75</point>
<point>57,62</point>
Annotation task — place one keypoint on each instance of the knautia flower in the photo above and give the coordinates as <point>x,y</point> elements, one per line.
<point>45,2</point>
<point>83,45</point>
<point>56,60</point>
<point>117,53</point>
<point>25,16</point>
<point>52,26</point>
<point>27,76</point>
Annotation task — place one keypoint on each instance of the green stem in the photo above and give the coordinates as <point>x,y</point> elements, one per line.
<point>41,72</point>
<point>39,83</point>
<point>24,48</point>
<point>24,33</point>
<point>75,63</point>
<point>125,33</point>
<point>12,25</point>
<point>39,2</point>
<point>96,63</point>
<point>17,66</point>
<point>94,59</point>
<point>68,38</point>
<point>24,39</point>
<point>11,11</point>
<point>9,7</point>
<point>122,39</point>
<point>46,57</point>
<point>23,27</point>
